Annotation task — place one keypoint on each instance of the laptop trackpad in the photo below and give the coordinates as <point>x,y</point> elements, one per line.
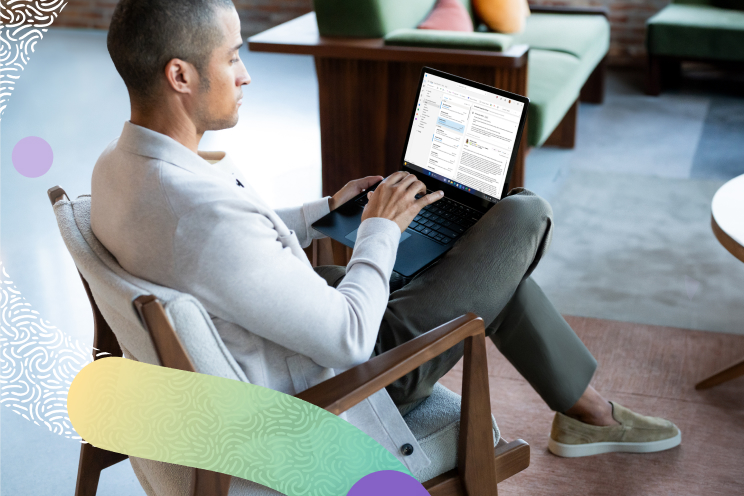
<point>353,234</point>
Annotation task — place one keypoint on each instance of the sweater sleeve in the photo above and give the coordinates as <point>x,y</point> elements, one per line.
<point>233,261</point>
<point>300,219</point>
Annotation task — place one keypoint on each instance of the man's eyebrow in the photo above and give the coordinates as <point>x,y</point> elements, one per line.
<point>237,47</point>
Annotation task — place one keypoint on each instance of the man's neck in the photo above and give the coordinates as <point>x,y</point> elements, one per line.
<point>170,120</point>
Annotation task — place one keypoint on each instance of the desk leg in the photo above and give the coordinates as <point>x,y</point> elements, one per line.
<point>724,375</point>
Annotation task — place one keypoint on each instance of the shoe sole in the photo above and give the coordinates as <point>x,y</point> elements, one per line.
<point>578,450</point>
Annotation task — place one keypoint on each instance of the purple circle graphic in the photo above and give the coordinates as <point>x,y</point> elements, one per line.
<point>32,156</point>
<point>389,483</point>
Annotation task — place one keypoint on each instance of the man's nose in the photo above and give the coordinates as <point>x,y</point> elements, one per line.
<point>243,78</point>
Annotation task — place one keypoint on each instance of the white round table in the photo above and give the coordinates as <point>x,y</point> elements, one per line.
<point>727,221</point>
<point>727,216</point>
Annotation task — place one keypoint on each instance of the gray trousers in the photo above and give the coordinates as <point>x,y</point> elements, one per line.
<point>487,272</point>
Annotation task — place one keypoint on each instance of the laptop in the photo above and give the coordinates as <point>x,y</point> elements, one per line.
<point>463,139</point>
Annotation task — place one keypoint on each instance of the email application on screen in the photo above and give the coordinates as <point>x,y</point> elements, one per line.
<point>464,135</point>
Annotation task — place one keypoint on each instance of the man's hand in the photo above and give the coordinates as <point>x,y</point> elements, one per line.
<point>395,199</point>
<point>352,189</point>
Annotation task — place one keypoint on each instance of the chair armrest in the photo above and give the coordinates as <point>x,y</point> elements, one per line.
<point>430,38</point>
<point>342,392</point>
<point>554,9</point>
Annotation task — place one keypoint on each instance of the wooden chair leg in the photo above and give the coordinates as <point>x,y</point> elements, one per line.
<point>671,72</point>
<point>725,375</point>
<point>209,483</point>
<point>594,88</point>
<point>653,76</point>
<point>564,135</point>
<point>92,461</point>
<point>662,72</point>
<point>475,450</point>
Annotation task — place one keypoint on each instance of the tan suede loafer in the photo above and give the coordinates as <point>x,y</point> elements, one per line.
<point>635,434</point>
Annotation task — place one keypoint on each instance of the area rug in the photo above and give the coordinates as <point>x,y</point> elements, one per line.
<point>651,370</point>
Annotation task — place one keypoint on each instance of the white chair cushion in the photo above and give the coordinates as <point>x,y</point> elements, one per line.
<point>435,424</point>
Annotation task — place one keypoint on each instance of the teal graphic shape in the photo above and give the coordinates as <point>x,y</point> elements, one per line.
<point>222,425</point>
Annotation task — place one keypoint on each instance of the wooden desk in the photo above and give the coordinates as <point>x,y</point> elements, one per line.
<point>727,221</point>
<point>367,92</point>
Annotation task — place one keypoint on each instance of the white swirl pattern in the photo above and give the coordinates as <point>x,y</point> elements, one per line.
<point>37,363</point>
<point>22,25</point>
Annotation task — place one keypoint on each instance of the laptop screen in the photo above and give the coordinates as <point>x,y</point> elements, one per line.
<point>463,135</point>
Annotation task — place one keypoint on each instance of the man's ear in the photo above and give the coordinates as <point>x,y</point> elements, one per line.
<point>181,76</point>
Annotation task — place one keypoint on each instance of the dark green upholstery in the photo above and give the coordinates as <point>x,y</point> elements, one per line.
<point>697,31</point>
<point>495,42</point>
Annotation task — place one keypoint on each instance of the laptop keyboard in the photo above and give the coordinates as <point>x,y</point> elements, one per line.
<point>443,221</point>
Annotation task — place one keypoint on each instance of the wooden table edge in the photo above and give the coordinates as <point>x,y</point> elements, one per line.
<point>727,241</point>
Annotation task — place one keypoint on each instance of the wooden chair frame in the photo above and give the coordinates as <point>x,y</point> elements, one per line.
<point>480,466</point>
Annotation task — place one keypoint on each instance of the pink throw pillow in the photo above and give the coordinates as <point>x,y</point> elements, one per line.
<point>448,15</point>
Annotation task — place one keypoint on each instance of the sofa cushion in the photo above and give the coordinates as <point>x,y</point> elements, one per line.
<point>697,31</point>
<point>587,37</point>
<point>494,42</point>
<point>435,424</point>
<point>448,15</point>
<point>555,80</point>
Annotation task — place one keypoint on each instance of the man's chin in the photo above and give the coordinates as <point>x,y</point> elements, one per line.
<point>227,123</point>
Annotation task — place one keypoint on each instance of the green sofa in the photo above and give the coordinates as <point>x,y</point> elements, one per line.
<point>368,58</point>
<point>564,48</point>
<point>707,30</point>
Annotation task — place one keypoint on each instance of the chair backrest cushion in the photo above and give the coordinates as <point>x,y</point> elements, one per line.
<point>114,291</point>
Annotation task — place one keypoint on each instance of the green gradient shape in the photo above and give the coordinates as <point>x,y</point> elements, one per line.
<point>223,425</point>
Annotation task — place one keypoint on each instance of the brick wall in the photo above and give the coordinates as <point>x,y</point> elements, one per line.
<point>255,15</point>
<point>627,18</point>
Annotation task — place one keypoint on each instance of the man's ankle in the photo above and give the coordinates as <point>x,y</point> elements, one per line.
<point>600,416</point>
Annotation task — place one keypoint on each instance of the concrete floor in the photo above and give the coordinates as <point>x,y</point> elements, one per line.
<point>631,202</point>
<point>71,96</point>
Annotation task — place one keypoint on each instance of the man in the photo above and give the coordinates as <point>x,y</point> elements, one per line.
<point>175,218</point>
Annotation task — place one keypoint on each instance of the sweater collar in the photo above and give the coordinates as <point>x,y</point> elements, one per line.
<point>151,144</point>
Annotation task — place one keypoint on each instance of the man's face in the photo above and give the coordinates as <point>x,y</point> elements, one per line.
<point>217,106</point>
